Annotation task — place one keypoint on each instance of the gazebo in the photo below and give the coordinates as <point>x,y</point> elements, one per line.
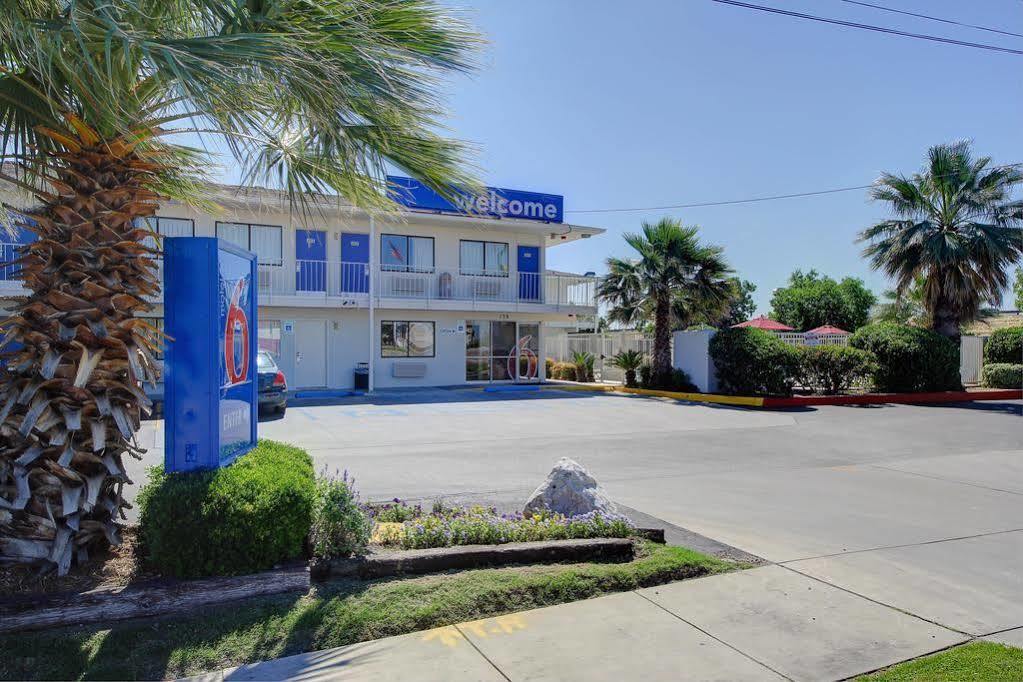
<point>764,322</point>
<point>827,330</point>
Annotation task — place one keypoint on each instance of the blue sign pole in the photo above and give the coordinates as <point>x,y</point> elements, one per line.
<point>210,383</point>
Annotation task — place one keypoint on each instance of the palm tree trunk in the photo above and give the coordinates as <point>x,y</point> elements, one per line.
<point>662,341</point>
<point>71,403</point>
<point>945,321</point>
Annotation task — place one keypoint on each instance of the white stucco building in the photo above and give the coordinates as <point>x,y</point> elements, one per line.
<point>432,297</point>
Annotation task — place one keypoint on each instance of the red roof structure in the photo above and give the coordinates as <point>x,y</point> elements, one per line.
<point>764,322</point>
<point>827,329</point>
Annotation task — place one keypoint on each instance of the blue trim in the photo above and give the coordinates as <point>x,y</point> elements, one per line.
<point>511,388</point>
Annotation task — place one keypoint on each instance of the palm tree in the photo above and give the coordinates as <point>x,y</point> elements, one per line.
<point>674,276</point>
<point>315,97</point>
<point>629,361</point>
<point>956,226</point>
<point>903,307</point>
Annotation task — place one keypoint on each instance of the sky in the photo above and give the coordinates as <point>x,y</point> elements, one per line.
<point>655,102</point>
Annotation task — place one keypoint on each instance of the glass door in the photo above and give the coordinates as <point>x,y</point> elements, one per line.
<point>498,350</point>
<point>528,349</point>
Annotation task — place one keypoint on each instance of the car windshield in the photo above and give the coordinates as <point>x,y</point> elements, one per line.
<point>264,361</point>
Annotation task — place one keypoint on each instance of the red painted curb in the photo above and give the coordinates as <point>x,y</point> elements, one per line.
<point>895,398</point>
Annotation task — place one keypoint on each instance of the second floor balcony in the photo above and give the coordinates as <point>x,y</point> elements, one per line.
<point>316,282</point>
<point>431,287</point>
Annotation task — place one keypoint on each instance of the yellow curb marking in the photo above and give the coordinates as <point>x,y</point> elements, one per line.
<point>448,636</point>
<point>502,625</point>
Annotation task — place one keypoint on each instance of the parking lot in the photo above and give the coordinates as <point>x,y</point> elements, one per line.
<point>918,507</point>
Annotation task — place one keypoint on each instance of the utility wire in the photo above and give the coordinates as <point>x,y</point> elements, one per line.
<point>870,27</point>
<point>926,16</point>
<point>748,201</point>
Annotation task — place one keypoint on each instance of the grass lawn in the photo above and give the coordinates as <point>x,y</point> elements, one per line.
<point>987,661</point>
<point>331,615</point>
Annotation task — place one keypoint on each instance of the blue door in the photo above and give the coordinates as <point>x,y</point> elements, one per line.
<point>529,273</point>
<point>354,263</point>
<point>9,246</point>
<point>311,260</point>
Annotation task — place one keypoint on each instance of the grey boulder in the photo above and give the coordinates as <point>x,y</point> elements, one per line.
<point>570,490</point>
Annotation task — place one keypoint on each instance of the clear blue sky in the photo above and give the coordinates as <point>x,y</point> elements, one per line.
<point>678,101</point>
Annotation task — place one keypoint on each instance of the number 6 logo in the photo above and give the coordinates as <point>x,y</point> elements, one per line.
<point>236,339</point>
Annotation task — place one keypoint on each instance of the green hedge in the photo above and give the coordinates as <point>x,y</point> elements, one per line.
<point>1003,375</point>
<point>243,518</point>
<point>833,369</point>
<point>562,371</point>
<point>677,381</point>
<point>909,359</point>
<point>1005,345</point>
<point>752,361</point>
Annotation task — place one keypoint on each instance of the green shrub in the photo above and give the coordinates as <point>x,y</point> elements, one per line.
<point>629,361</point>
<point>479,525</point>
<point>909,359</point>
<point>1003,375</point>
<point>548,364</point>
<point>677,381</point>
<point>562,371</point>
<point>340,528</point>
<point>584,366</point>
<point>752,361</point>
<point>833,369</point>
<point>1005,345</point>
<point>242,518</point>
<point>395,512</point>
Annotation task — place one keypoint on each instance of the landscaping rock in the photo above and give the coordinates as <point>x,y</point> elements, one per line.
<point>570,490</point>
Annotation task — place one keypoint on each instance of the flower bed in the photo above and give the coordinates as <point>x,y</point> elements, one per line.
<point>477,525</point>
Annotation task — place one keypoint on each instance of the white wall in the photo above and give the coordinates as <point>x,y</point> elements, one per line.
<point>691,354</point>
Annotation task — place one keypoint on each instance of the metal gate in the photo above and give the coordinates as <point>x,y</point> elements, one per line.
<point>603,346</point>
<point>971,358</point>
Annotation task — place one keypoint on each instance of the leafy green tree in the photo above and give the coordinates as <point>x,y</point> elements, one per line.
<point>811,300</point>
<point>316,97</point>
<point>955,224</point>
<point>674,276</point>
<point>742,306</point>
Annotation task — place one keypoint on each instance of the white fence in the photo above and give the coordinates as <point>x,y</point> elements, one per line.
<point>603,346</point>
<point>804,339</point>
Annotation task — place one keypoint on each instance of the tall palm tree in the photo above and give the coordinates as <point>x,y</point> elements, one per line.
<point>954,224</point>
<point>316,97</point>
<point>674,275</point>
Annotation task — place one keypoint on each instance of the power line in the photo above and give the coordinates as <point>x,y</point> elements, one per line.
<point>753,200</point>
<point>927,16</point>
<point>870,27</point>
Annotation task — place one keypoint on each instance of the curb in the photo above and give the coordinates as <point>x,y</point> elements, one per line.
<point>806,401</point>
<point>895,398</point>
<point>463,557</point>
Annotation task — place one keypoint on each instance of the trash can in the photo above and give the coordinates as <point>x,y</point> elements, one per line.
<point>362,376</point>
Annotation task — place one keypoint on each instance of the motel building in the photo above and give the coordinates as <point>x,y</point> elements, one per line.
<point>440,295</point>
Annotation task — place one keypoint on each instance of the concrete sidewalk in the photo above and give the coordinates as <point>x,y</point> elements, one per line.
<point>768,623</point>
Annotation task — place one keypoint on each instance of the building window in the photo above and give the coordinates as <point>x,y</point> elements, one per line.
<point>266,241</point>
<point>406,339</point>
<point>166,227</point>
<point>483,258</point>
<point>270,337</point>
<point>400,253</point>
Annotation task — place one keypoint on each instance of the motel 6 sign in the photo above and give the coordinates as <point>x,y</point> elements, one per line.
<point>210,363</point>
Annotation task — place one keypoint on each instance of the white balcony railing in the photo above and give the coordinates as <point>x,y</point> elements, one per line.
<point>351,282</point>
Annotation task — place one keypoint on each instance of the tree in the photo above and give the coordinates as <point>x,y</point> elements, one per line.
<point>741,307</point>
<point>812,300</point>
<point>674,276</point>
<point>954,224</point>
<point>1017,288</point>
<point>629,361</point>
<point>905,307</point>
<point>314,97</point>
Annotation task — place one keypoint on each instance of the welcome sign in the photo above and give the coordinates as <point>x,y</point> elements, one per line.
<point>495,201</point>
<point>210,382</point>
